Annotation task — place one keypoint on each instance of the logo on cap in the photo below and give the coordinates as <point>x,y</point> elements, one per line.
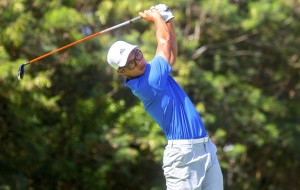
<point>121,51</point>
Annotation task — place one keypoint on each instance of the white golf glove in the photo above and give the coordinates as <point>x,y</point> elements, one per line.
<point>164,11</point>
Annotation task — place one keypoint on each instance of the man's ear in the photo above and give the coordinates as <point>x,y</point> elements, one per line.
<point>120,71</point>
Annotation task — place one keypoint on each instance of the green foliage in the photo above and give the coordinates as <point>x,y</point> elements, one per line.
<point>62,17</point>
<point>71,123</point>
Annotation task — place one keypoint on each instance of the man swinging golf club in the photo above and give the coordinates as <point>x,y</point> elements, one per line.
<point>190,160</point>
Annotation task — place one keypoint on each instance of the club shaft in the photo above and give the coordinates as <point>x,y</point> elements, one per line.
<point>86,38</point>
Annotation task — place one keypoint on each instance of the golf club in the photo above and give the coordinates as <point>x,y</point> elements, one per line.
<point>21,69</point>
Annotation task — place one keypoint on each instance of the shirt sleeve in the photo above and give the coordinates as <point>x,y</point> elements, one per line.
<point>154,80</point>
<point>159,72</point>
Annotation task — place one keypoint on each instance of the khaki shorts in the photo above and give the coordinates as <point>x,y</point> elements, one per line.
<point>192,165</point>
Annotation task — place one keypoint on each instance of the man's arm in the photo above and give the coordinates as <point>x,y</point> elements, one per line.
<point>174,45</point>
<point>165,35</point>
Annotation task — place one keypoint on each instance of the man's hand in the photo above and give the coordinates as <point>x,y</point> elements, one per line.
<point>162,17</point>
<point>151,15</point>
<point>164,11</point>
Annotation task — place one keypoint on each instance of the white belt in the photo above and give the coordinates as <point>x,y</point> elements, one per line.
<point>188,141</point>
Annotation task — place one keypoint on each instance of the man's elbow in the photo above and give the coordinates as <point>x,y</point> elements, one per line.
<point>168,49</point>
<point>174,50</point>
<point>172,61</point>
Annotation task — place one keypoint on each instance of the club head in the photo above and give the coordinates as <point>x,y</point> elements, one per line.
<point>21,71</point>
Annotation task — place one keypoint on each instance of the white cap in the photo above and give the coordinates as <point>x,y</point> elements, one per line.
<point>118,54</point>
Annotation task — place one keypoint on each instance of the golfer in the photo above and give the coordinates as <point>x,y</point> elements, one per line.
<point>190,160</point>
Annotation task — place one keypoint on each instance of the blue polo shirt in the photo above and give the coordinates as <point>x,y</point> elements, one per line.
<point>166,102</point>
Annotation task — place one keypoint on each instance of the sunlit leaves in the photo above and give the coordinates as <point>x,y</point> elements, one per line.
<point>261,12</point>
<point>15,31</point>
<point>235,151</point>
<point>62,18</point>
<point>103,11</point>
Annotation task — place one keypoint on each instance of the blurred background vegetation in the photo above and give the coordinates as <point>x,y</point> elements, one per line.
<point>71,123</point>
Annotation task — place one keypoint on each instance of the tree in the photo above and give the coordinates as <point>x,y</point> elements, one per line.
<point>71,123</point>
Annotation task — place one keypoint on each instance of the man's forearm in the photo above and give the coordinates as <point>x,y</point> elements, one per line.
<point>163,36</point>
<point>174,45</point>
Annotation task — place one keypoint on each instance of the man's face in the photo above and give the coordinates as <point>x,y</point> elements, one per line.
<point>135,66</point>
